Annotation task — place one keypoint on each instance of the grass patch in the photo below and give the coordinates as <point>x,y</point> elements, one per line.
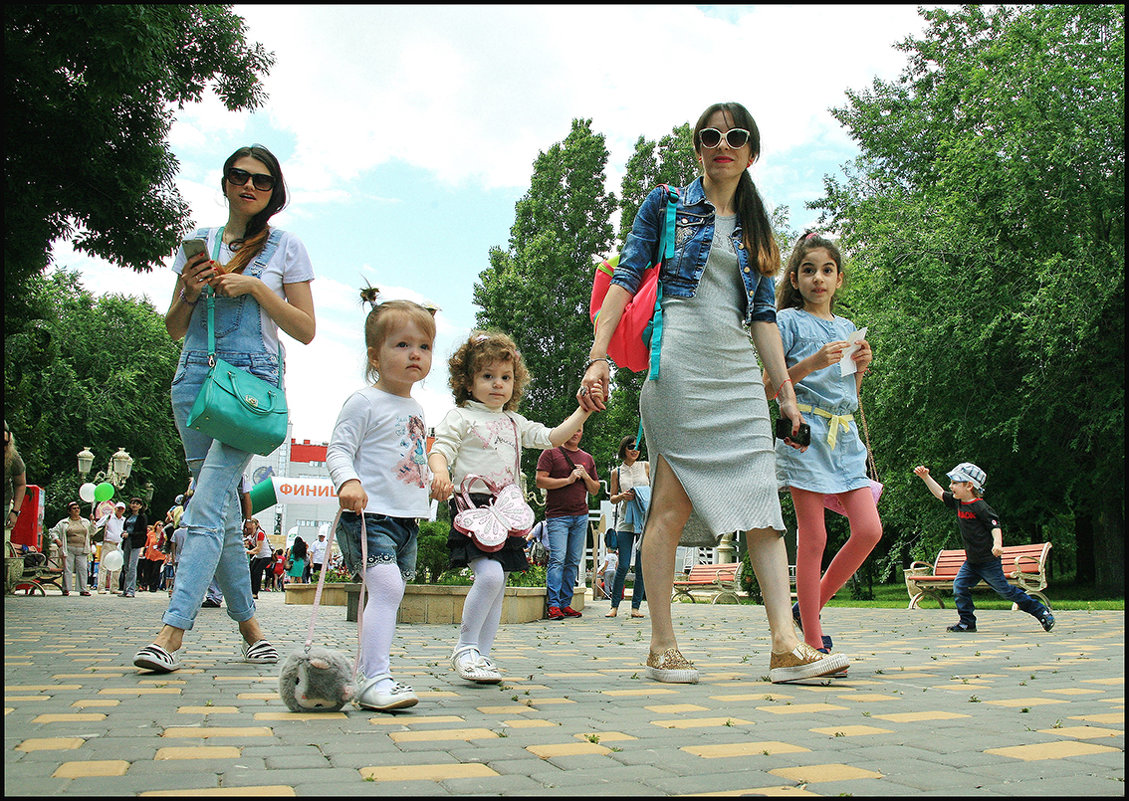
<point>1069,596</point>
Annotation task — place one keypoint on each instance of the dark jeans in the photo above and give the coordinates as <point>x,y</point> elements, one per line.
<point>258,565</point>
<point>992,573</point>
<point>625,541</point>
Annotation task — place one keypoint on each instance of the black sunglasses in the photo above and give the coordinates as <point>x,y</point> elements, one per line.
<point>734,137</point>
<point>260,180</point>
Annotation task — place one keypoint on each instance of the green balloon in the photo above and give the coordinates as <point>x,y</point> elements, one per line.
<point>104,491</point>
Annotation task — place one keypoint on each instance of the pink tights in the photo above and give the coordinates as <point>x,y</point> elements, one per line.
<point>812,591</point>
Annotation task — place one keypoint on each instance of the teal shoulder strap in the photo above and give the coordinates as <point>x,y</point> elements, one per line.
<point>666,251</point>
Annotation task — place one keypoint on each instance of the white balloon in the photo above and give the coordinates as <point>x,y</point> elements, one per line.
<point>86,492</point>
<point>113,561</point>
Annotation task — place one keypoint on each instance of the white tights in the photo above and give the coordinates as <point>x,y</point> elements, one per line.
<point>482,611</point>
<point>385,586</point>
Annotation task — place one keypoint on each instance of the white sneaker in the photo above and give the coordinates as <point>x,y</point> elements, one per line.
<point>396,696</point>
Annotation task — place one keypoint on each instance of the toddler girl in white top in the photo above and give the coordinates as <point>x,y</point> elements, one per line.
<point>375,458</point>
<point>483,436</point>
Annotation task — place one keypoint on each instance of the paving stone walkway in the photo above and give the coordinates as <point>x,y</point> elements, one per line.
<point>1010,710</point>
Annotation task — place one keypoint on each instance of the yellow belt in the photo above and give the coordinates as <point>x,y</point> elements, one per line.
<point>836,420</point>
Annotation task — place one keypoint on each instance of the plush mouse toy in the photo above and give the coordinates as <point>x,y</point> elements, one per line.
<point>317,680</point>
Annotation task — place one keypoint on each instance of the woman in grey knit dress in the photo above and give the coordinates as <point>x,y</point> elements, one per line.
<point>705,416</point>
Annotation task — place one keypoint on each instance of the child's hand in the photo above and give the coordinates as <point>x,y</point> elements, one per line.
<point>997,550</point>
<point>352,497</point>
<point>829,354</point>
<point>921,471</point>
<point>441,487</point>
<point>863,356</point>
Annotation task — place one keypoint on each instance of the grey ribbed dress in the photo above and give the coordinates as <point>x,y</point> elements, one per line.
<point>706,413</point>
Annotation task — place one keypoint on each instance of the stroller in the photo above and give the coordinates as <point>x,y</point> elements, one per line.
<point>39,570</point>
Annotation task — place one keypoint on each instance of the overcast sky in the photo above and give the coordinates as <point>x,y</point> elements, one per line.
<point>407,133</point>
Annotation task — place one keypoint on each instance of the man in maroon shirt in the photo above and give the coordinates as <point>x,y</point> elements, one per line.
<point>568,475</point>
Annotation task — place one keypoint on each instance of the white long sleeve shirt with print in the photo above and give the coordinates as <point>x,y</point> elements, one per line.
<point>477,441</point>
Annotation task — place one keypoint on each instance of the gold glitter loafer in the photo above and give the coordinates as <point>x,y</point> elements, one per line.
<point>671,667</point>
<point>804,662</point>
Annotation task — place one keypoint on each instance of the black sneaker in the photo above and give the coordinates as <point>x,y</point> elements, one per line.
<point>1048,620</point>
<point>961,628</point>
<point>210,604</point>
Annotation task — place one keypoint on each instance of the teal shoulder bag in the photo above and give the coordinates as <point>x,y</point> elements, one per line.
<point>235,407</point>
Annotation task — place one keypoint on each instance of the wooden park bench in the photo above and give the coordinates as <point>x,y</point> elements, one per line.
<point>1025,566</point>
<point>722,580</point>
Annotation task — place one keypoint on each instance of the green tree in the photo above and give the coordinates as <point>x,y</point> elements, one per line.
<point>90,92</point>
<point>537,289</point>
<point>92,372</point>
<point>985,224</point>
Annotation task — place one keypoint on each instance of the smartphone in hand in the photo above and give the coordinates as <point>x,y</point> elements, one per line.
<point>784,430</point>
<point>194,247</point>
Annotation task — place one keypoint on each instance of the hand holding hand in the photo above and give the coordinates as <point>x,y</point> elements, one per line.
<point>594,387</point>
<point>441,487</point>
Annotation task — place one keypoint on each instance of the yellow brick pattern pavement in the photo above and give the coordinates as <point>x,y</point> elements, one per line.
<point>1011,709</point>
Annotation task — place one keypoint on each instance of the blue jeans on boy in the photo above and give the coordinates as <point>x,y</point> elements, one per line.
<point>992,573</point>
<point>625,541</point>
<point>566,548</point>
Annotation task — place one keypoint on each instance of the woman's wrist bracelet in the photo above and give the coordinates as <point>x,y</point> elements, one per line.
<point>591,362</point>
<point>184,299</point>
<point>782,383</point>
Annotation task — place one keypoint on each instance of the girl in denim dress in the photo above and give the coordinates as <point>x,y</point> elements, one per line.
<point>261,278</point>
<point>815,340</point>
<point>706,415</point>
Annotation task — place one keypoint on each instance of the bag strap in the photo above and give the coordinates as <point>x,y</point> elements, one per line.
<point>666,251</point>
<point>321,585</point>
<point>869,453</point>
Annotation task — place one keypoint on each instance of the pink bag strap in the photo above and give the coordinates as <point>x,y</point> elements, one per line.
<point>321,585</point>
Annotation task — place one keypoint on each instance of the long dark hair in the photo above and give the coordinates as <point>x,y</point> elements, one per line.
<point>756,228</point>
<point>255,237</point>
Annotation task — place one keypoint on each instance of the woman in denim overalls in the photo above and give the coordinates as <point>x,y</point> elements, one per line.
<point>264,286</point>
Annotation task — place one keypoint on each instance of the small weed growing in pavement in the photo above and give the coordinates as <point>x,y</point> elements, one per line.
<point>593,738</point>
<point>972,699</point>
<point>1025,709</point>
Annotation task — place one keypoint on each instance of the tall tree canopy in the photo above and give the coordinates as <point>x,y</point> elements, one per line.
<point>86,372</point>
<point>537,289</point>
<point>985,224</point>
<point>89,95</point>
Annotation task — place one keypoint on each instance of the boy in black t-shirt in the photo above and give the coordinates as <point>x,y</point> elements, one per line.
<point>983,544</point>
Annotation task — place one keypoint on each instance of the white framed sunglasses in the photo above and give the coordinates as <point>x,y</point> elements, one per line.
<point>734,137</point>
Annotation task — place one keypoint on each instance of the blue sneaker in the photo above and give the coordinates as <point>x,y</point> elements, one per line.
<point>796,619</point>
<point>1047,619</point>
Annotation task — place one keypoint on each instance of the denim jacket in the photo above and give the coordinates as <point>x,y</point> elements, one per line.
<point>693,236</point>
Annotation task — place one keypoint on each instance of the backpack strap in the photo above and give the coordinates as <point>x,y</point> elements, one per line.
<point>666,251</point>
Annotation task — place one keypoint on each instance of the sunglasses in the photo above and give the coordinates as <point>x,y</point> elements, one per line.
<point>260,180</point>
<point>630,447</point>
<point>734,137</point>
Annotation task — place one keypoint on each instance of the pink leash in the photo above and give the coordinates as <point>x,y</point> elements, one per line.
<point>321,585</point>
